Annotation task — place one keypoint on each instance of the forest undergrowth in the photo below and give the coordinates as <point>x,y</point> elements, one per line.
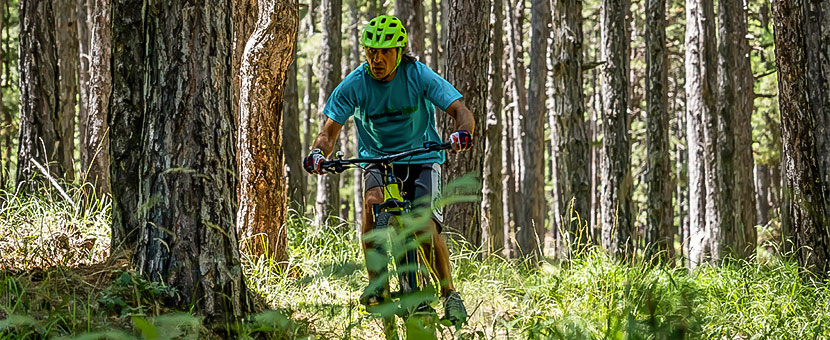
<point>58,281</point>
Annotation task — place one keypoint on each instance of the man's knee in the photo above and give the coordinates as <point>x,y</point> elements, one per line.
<point>371,197</point>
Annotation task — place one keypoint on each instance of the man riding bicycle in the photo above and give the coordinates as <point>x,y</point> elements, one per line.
<point>391,98</point>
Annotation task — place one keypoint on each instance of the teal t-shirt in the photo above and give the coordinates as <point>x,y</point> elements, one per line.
<point>395,116</point>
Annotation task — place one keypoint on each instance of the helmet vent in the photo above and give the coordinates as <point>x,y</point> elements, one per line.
<point>372,23</point>
<point>393,24</point>
<point>370,36</point>
<point>388,37</point>
<point>383,21</point>
<point>400,38</point>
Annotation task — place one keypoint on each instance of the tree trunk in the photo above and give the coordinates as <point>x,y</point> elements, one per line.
<point>700,97</point>
<point>615,159</point>
<point>328,196</point>
<point>761,175</point>
<point>96,160</point>
<point>659,233</point>
<point>84,10</point>
<point>411,13</point>
<point>531,226</point>
<point>292,146</point>
<point>244,23</point>
<point>126,114</point>
<point>570,142</point>
<point>262,186</point>
<point>801,28</point>
<point>467,56</point>
<point>492,214</point>
<point>518,108</point>
<point>357,176</point>
<point>40,128</point>
<point>187,237</point>
<point>373,8</point>
<point>735,91</point>
<point>6,122</point>
<point>66,41</point>
<point>435,56</point>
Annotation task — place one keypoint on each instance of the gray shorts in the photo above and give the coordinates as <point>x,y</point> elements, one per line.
<point>419,180</point>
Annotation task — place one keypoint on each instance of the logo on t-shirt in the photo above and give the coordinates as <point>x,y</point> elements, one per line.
<point>392,113</point>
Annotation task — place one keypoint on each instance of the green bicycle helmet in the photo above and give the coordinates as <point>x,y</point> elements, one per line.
<point>385,31</point>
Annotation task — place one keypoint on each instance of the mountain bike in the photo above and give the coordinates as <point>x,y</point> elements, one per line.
<point>412,299</point>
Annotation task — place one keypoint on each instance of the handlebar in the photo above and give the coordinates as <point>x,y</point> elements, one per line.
<point>340,165</point>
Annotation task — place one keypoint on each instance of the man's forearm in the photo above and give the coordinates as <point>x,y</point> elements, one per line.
<point>464,120</point>
<point>323,143</point>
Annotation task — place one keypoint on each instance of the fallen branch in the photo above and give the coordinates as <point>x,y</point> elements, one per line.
<point>592,65</point>
<point>766,95</point>
<point>765,74</point>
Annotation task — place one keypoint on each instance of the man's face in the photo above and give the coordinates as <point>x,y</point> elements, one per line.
<point>382,60</point>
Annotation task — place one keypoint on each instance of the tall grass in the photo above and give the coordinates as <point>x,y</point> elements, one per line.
<point>314,294</point>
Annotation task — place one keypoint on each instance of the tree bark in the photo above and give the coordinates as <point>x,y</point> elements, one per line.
<point>40,128</point>
<point>492,213</point>
<point>357,176</point>
<point>517,78</point>
<point>244,23</point>
<point>328,195</point>
<point>435,56</point>
<point>615,159</point>
<point>262,186</point>
<point>84,10</point>
<point>761,175</point>
<point>66,41</point>
<point>700,96</point>
<point>735,89</point>
<point>530,230</point>
<point>801,33</point>
<point>292,145</point>
<point>187,237</point>
<point>659,227</point>
<point>570,141</point>
<point>126,115</point>
<point>95,160</point>
<point>467,56</point>
<point>411,13</point>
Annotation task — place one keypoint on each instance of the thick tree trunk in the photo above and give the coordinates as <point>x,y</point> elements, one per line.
<point>96,159</point>
<point>801,33</point>
<point>700,96</point>
<point>328,195</point>
<point>615,159</point>
<point>467,56</point>
<point>292,146</point>
<point>262,186</point>
<point>40,128</point>
<point>492,213</point>
<point>659,229</point>
<point>244,23</point>
<point>126,115</point>
<point>187,237</point>
<point>531,227</point>
<point>569,141</point>
<point>735,90</point>
<point>66,41</point>
<point>411,13</point>
<point>83,9</point>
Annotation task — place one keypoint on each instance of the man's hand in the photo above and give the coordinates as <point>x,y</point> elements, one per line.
<point>312,163</point>
<point>461,140</point>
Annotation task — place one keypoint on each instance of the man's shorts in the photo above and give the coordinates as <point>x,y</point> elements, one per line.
<point>419,180</point>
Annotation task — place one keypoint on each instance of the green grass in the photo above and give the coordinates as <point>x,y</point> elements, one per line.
<point>48,291</point>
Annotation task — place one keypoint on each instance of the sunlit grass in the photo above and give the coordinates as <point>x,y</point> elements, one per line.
<point>316,290</point>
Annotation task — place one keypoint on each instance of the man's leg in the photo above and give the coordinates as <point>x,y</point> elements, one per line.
<point>371,197</point>
<point>438,256</point>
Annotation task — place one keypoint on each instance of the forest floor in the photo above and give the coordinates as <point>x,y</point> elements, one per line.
<point>57,280</point>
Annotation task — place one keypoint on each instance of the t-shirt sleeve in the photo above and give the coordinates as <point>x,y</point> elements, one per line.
<point>437,89</point>
<point>341,103</point>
